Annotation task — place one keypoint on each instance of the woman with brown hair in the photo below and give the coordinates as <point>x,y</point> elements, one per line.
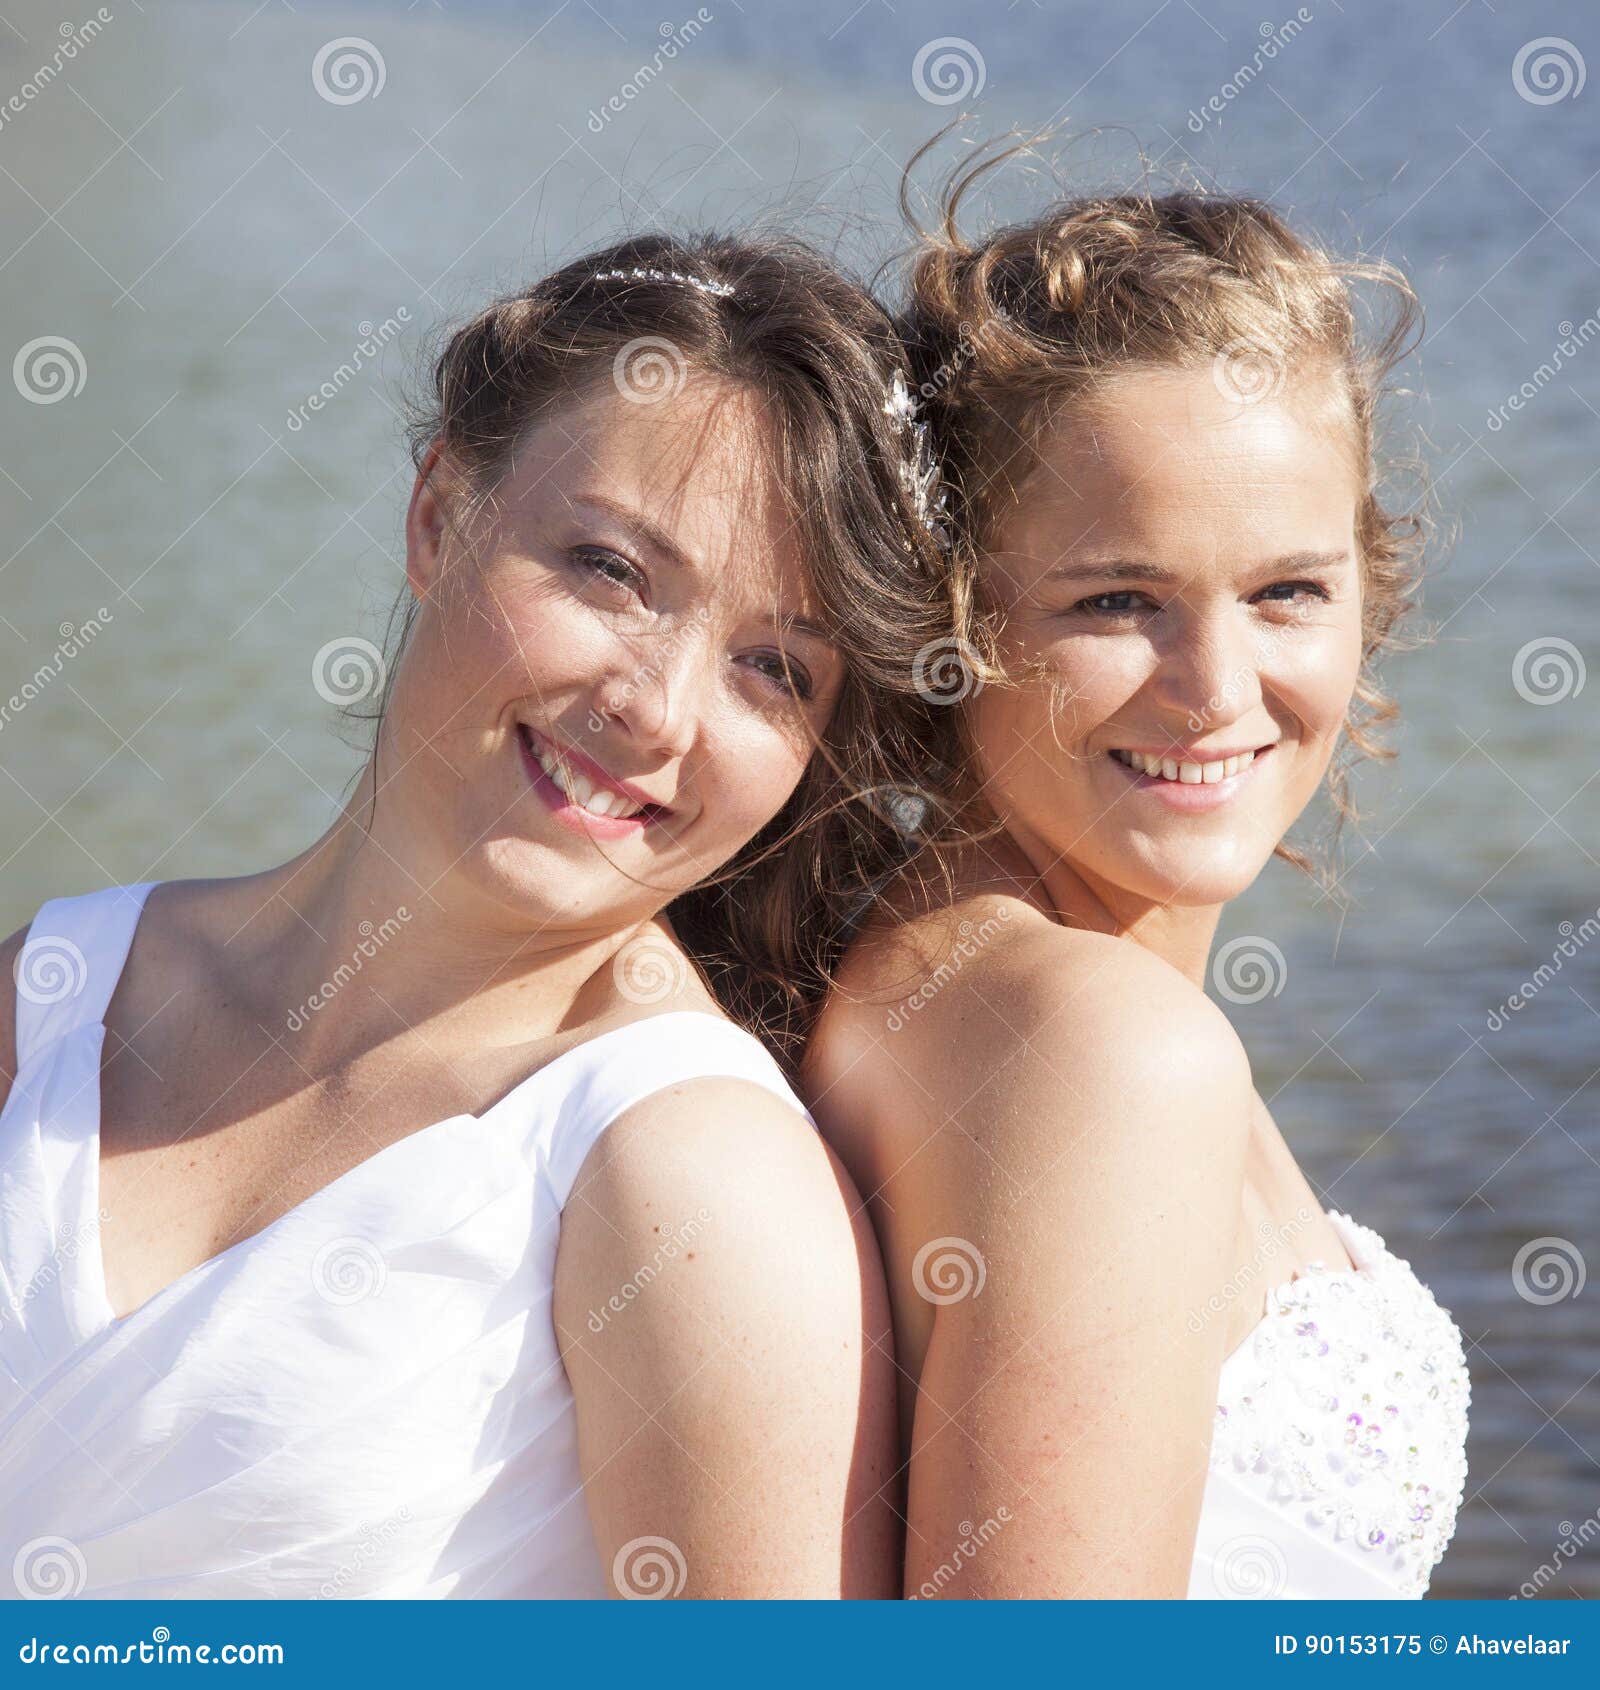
<point>1137,1356</point>
<point>410,1219</point>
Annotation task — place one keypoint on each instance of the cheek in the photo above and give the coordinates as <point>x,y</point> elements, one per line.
<point>1065,691</point>
<point>749,771</point>
<point>527,629</point>
<point>1315,678</point>
<point>518,640</point>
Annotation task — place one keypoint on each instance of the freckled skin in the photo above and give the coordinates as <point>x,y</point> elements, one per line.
<point>1068,1104</point>
<point>659,673</point>
<point>1171,471</point>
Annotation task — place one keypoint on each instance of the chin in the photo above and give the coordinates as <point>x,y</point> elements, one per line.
<point>527,878</point>
<point>1190,880</point>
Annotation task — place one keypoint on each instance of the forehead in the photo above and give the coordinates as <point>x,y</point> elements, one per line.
<point>1158,455</point>
<point>699,463</point>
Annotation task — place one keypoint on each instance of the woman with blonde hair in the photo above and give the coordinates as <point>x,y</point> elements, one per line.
<point>1138,1358</point>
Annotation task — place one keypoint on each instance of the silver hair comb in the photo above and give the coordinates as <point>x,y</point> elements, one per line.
<point>919,470</point>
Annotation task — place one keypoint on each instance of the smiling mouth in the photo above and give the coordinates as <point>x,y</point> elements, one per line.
<point>585,794</point>
<point>1182,773</point>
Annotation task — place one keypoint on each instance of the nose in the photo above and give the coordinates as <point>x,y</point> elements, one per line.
<point>660,700</point>
<point>1209,669</point>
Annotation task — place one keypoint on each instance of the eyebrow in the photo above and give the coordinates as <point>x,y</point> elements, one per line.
<point>1128,569</point>
<point>657,538</point>
<point>638,524</point>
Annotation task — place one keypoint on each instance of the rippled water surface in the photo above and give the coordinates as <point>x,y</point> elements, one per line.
<point>216,239</point>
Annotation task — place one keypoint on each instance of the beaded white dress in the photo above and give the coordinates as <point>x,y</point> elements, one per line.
<point>1338,1457</point>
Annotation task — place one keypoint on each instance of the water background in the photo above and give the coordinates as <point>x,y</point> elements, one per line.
<point>216,239</point>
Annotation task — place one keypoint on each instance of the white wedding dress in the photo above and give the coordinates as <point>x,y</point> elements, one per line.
<point>365,1398</point>
<point>1338,1457</point>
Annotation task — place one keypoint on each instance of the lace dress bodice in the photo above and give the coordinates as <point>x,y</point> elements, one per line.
<point>1338,1457</point>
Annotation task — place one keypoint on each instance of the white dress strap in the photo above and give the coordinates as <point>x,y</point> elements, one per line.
<point>605,1076</point>
<point>71,961</point>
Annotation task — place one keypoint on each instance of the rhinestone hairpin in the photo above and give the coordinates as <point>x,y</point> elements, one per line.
<point>720,289</point>
<point>919,470</point>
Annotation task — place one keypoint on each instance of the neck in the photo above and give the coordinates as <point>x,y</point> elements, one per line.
<point>1180,934</point>
<point>359,951</point>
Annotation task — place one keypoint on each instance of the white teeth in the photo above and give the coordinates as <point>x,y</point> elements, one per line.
<point>1187,774</point>
<point>597,800</point>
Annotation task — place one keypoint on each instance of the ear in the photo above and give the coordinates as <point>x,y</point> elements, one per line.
<point>426,520</point>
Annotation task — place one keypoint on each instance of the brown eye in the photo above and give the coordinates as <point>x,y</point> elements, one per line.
<point>1286,592</point>
<point>1112,604</point>
<point>599,563</point>
<point>790,676</point>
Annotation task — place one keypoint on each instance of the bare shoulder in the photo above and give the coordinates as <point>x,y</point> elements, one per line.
<point>990,1013</point>
<point>1062,1190</point>
<point>723,1319</point>
<point>743,1173</point>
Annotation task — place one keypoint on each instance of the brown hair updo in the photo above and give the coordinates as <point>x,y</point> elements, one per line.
<point>768,313</point>
<point>1007,332</point>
